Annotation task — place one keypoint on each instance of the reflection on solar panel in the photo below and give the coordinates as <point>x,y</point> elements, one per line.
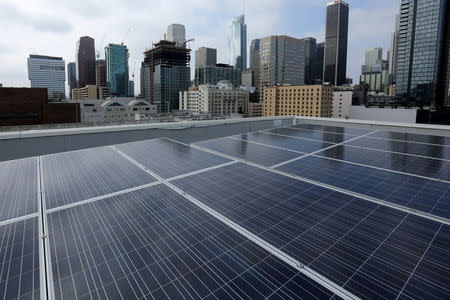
<point>307,211</point>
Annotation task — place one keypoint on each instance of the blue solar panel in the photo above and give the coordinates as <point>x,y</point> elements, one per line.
<point>334,129</point>
<point>412,137</point>
<point>18,188</point>
<point>153,243</point>
<point>263,155</point>
<point>339,236</point>
<point>422,194</point>
<point>304,146</point>
<point>427,167</point>
<point>75,176</point>
<point>313,135</point>
<point>19,260</point>
<point>432,151</point>
<point>169,159</point>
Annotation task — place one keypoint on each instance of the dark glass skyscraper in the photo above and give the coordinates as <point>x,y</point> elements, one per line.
<point>72,77</point>
<point>85,61</point>
<point>317,65</point>
<point>423,51</point>
<point>255,61</point>
<point>336,39</point>
<point>310,51</point>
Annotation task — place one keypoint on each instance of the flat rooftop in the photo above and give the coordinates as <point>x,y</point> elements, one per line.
<point>297,208</point>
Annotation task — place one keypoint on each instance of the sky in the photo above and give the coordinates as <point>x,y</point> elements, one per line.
<point>52,27</point>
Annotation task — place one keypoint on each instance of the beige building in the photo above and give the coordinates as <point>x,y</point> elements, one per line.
<point>304,100</point>
<point>90,92</point>
<point>342,101</point>
<point>392,90</point>
<point>255,109</point>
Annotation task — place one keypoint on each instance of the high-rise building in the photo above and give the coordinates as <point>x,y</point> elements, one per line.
<point>373,55</point>
<point>317,65</point>
<point>393,55</point>
<point>205,57</point>
<point>304,100</point>
<point>116,58</point>
<point>282,61</point>
<point>310,51</point>
<point>247,78</point>
<point>100,72</point>
<point>85,58</point>
<point>423,51</point>
<point>237,43</point>
<point>176,33</point>
<point>72,77</point>
<point>48,72</point>
<point>255,61</point>
<point>336,40</point>
<point>165,72</point>
<point>376,77</point>
<point>214,74</point>
<point>130,88</point>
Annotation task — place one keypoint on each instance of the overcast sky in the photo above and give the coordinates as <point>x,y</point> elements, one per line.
<point>52,27</point>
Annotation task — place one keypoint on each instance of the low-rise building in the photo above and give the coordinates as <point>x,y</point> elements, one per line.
<point>302,100</point>
<point>220,99</point>
<point>392,90</point>
<point>255,109</point>
<point>90,92</point>
<point>342,101</point>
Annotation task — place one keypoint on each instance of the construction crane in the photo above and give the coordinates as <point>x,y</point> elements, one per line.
<point>101,44</point>
<point>187,41</point>
<point>126,34</point>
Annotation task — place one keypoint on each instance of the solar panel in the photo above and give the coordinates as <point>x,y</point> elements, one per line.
<point>333,129</point>
<point>18,188</point>
<point>314,225</point>
<point>170,159</point>
<point>304,146</point>
<point>79,175</point>
<point>19,260</point>
<point>425,195</point>
<point>263,155</point>
<point>328,137</point>
<point>412,137</point>
<point>153,243</point>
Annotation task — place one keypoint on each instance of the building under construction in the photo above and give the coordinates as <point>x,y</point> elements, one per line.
<point>165,72</point>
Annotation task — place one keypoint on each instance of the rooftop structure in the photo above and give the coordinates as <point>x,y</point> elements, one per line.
<point>305,209</point>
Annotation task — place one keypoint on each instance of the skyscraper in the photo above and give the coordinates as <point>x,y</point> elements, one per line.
<point>85,58</point>
<point>423,51</point>
<point>310,51</point>
<point>214,74</point>
<point>282,61</point>
<point>176,33</point>
<point>255,61</point>
<point>317,64</point>
<point>373,55</point>
<point>48,72</point>
<point>165,72</point>
<point>100,71</point>
<point>336,39</point>
<point>72,77</point>
<point>205,57</point>
<point>116,58</point>
<point>237,43</point>
<point>394,50</point>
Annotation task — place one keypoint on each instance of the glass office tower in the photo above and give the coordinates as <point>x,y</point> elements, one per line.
<point>116,57</point>
<point>423,50</point>
<point>237,43</point>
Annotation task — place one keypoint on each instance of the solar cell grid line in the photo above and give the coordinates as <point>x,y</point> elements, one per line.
<point>333,129</point>
<point>18,189</point>
<point>429,196</point>
<point>329,137</point>
<point>79,175</point>
<point>19,260</point>
<point>414,138</point>
<point>425,167</point>
<point>210,250</point>
<point>175,159</point>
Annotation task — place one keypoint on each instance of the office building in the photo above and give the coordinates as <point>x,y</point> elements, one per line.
<point>255,109</point>
<point>342,101</point>
<point>310,52</point>
<point>393,55</point>
<point>376,77</point>
<point>373,55</point>
<point>116,59</point>
<point>303,100</point>
<point>48,72</point>
<point>213,74</point>
<point>247,77</point>
<point>85,58</point>
<point>205,57</point>
<point>90,92</point>
<point>72,77</point>
<point>237,43</point>
<point>100,72</point>
<point>255,61</point>
<point>282,61</point>
<point>130,88</point>
<point>423,51</point>
<point>176,33</point>
<point>220,99</point>
<point>165,72</point>
<point>317,65</point>
<point>336,40</point>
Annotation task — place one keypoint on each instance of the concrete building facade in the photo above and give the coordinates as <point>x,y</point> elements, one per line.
<point>373,55</point>
<point>100,72</point>
<point>90,92</point>
<point>85,58</point>
<point>342,101</point>
<point>247,77</point>
<point>255,60</point>
<point>205,57</point>
<point>304,100</point>
<point>48,72</point>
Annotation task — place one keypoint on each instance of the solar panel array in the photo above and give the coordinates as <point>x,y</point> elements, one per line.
<point>300,212</point>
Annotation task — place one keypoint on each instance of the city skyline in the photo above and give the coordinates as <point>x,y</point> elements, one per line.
<point>370,26</point>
